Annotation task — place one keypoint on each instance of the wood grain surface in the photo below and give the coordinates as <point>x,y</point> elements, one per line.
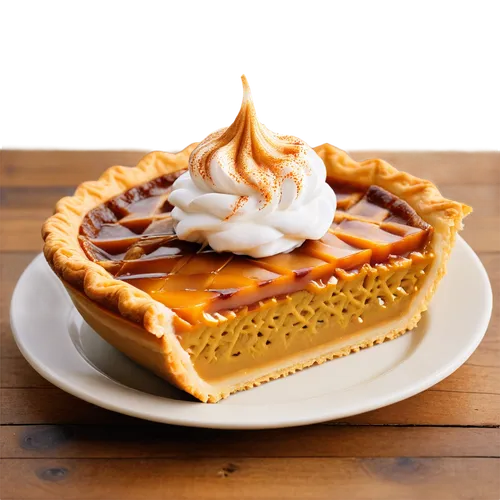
<point>441,444</point>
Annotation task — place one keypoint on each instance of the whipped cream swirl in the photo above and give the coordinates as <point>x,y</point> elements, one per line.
<point>253,192</point>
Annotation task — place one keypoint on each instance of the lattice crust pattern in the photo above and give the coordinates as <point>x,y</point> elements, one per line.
<point>132,236</point>
<point>337,306</point>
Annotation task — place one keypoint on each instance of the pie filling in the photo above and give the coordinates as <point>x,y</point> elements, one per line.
<point>234,313</point>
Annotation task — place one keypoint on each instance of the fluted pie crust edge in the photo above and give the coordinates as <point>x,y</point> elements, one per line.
<point>144,329</point>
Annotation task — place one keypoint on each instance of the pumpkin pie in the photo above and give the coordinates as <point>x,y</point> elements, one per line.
<point>216,322</point>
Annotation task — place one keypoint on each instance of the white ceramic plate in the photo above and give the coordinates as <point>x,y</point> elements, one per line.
<point>66,351</point>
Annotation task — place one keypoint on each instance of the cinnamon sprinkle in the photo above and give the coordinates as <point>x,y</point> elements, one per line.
<point>241,201</point>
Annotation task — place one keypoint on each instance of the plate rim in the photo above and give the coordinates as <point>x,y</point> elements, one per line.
<point>404,392</point>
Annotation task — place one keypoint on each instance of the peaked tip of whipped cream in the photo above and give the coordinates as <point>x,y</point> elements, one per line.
<point>247,95</point>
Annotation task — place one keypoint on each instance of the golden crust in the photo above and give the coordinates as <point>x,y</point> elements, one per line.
<point>422,195</point>
<point>64,254</point>
<point>319,360</point>
<point>66,257</point>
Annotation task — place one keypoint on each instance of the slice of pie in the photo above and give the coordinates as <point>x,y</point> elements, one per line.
<point>214,323</point>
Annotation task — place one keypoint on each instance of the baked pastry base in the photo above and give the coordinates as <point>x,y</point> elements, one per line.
<point>148,332</point>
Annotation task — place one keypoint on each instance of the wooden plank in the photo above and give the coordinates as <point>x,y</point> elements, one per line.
<point>11,267</point>
<point>23,211</point>
<point>442,167</point>
<point>437,408</point>
<point>21,229</point>
<point>468,386</point>
<point>163,441</point>
<point>251,478</point>
<point>52,406</point>
<point>473,379</point>
<point>17,372</point>
<point>43,197</point>
<point>482,226</point>
<point>69,168</point>
<point>60,168</point>
<point>8,346</point>
<point>487,354</point>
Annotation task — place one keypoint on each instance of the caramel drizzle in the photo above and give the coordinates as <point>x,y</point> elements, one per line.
<point>261,158</point>
<point>152,258</point>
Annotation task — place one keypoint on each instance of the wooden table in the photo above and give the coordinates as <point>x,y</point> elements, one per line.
<point>441,444</point>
